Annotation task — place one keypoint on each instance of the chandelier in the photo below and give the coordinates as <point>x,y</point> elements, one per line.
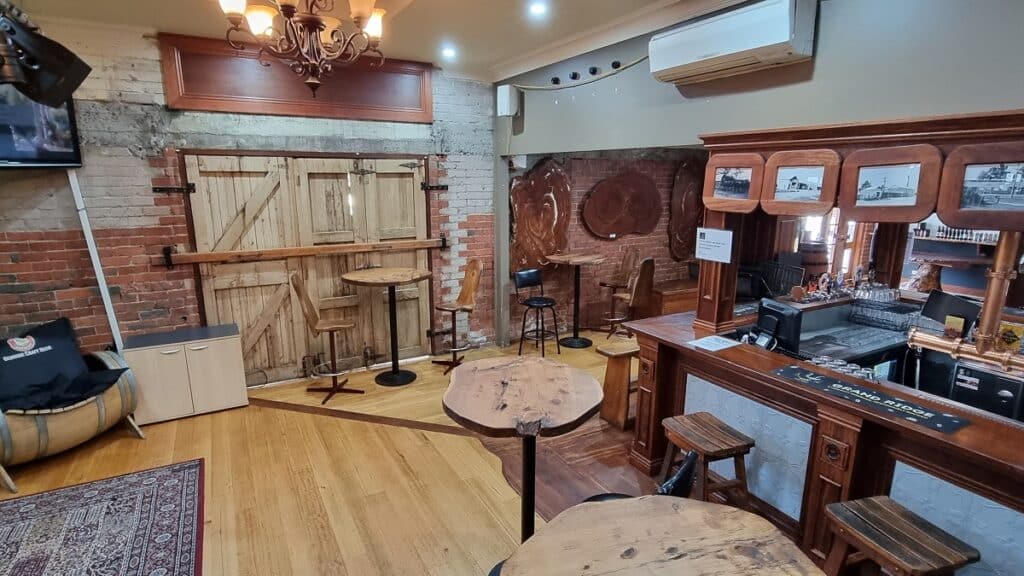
<point>302,35</point>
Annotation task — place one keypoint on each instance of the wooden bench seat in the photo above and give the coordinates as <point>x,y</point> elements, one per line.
<point>617,380</point>
<point>899,541</point>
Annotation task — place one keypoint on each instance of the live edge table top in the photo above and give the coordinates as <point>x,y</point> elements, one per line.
<point>989,440</point>
<point>576,258</point>
<point>385,276</point>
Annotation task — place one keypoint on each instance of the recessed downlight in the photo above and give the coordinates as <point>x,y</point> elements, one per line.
<point>538,9</point>
<point>449,53</point>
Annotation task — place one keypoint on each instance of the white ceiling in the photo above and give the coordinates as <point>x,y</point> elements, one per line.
<point>489,35</point>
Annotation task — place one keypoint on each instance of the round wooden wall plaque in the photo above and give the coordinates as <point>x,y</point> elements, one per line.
<point>624,204</point>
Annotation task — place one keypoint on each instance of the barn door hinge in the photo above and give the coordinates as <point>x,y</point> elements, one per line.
<point>188,188</point>
<point>411,165</point>
<point>168,251</point>
<point>433,187</point>
<point>362,171</point>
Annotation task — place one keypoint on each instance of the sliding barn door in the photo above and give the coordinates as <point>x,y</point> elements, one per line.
<point>252,203</point>
<point>245,203</point>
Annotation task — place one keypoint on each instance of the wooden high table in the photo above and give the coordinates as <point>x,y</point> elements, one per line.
<point>576,260</point>
<point>658,535</point>
<point>392,278</point>
<point>525,397</point>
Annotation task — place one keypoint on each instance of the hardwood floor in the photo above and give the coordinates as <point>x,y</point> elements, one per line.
<point>381,483</point>
<point>289,493</point>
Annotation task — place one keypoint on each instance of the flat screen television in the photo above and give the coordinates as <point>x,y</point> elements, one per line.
<point>33,135</point>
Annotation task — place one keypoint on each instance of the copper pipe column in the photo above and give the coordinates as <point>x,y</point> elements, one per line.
<point>1003,271</point>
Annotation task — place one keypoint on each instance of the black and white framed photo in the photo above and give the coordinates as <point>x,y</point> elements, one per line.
<point>800,182</point>
<point>732,182</point>
<point>993,187</point>
<point>894,185</point>
<point>983,187</point>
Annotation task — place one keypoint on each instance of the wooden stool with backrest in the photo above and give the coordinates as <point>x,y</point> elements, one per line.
<point>618,380</point>
<point>888,536</point>
<point>466,302</point>
<point>319,326</point>
<point>620,280</point>
<point>529,280</point>
<point>713,440</point>
<point>637,299</point>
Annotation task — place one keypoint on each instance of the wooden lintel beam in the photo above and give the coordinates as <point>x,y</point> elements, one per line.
<point>236,256</point>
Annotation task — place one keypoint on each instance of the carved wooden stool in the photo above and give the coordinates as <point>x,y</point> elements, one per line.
<point>714,440</point>
<point>902,543</point>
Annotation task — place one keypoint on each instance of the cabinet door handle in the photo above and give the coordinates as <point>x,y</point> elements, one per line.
<point>198,348</point>
<point>169,352</point>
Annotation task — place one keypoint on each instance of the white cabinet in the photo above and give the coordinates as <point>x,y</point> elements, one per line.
<point>187,372</point>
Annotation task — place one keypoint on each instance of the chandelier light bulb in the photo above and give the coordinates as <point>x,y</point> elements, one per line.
<point>375,25</point>
<point>330,25</point>
<point>260,19</point>
<point>233,7</point>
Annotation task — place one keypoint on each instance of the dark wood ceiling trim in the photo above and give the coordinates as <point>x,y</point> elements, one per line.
<point>208,75</point>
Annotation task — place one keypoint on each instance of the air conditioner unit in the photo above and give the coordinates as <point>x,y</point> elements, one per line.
<point>752,37</point>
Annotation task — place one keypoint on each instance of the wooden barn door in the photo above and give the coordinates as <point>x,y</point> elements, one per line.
<point>251,203</point>
<point>245,203</point>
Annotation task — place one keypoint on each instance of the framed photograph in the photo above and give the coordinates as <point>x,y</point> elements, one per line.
<point>800,182</point>
<point>732,182</point>
<point>897,184</point>
<point>983,187</point>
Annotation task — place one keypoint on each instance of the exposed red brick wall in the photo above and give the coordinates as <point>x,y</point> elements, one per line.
<point>585,173</point>
<point>47,274</point>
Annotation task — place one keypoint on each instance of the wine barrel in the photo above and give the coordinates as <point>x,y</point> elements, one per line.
<point>814,256</point>
<point>27,435</point>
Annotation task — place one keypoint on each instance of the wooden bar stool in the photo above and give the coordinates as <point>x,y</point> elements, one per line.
<point>618,381</point>
<point>637,300</point>
<point>620,281</point>
<point>714,440</point>
<point>880,531</point>
<point>318,326</point>
<point>527,280</point>
<point>466,302</point>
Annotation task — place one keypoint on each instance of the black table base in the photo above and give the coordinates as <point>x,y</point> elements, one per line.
<point>529,506</point>
<point>575,341</point>
<point>394,377</point>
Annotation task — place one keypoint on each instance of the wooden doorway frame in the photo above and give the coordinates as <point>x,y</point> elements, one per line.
<point>181,153</point>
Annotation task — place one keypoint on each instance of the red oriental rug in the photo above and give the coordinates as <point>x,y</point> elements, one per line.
<point>147,523</point>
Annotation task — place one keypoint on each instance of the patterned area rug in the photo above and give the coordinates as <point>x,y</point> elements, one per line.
<point>148,523</point>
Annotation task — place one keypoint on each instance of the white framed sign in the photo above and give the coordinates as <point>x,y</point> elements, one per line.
<point>714,245</point>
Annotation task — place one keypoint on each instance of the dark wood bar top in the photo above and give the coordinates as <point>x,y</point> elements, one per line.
<point>854,447</point>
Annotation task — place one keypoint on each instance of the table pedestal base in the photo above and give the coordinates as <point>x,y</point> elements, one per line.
<point>576,342</point>
<point>399,378</point>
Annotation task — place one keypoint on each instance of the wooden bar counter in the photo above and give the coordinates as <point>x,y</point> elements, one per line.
<point>853,449</point>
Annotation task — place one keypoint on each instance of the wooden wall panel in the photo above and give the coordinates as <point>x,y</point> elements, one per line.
<point>208,74</point>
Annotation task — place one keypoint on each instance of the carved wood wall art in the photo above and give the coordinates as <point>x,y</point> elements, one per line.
<point>540,203</point>
<point>686,210</point>
<point>628,203</point>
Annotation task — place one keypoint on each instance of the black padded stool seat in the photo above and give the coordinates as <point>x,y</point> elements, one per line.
<point>879,530</point>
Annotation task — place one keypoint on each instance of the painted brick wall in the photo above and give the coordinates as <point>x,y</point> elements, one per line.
<point>128,141</point>
<point>585,171</point>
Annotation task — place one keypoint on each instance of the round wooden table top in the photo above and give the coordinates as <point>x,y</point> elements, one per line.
<point>521,396</point>
<point>385,276</point>
<point>655,535</point>
<point>576,258</point>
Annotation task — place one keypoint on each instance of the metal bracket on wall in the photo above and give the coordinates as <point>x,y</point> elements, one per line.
<point>433,187</point>
<point>411,165</point>
<point>444,242</point>
<point>189,188</point>
<point>168,251</point>
<point>363,172</point>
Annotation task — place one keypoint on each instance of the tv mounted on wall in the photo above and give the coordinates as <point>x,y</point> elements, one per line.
<point>33,135</point>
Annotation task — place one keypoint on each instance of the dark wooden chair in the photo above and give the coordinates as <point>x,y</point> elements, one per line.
<point>637,300</point>
<point>620,280</point>
<point>528,281</point>
<point>319,326</point>
<point>888,536</point>
<point>713,440</point>
<point>466,302</point>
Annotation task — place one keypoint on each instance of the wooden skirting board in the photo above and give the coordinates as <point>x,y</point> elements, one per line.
<point>239,256</point>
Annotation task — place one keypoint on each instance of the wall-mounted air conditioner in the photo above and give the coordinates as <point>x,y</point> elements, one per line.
<point>752,37</point>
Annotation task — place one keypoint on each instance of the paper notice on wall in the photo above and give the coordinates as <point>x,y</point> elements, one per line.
<point>714,245</point>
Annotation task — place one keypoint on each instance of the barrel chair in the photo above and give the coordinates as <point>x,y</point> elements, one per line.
<point>27,435</point>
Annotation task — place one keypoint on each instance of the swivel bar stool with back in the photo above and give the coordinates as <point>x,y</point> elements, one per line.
<point>621,279</point>
<point>637,299</point>
<point>318,326</point>
<point>529,280</point>
<point>466,302</point>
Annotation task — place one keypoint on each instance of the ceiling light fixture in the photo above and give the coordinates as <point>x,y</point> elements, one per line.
<point>448,53</point>
<point>538,8</point>
<point>308,40</point>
